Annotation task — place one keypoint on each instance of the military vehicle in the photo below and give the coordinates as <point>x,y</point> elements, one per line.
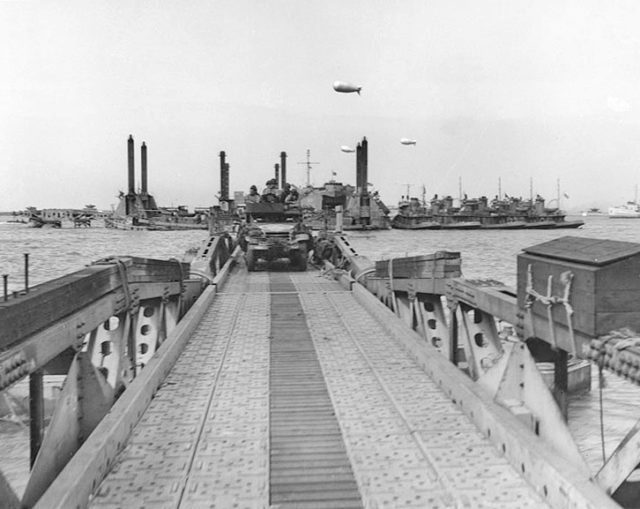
<point>274,232</point>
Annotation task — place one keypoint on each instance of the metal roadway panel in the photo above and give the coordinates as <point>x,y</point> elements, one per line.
<point>409,445</point>
<point>203,441</point>
<point>246,417</point>
<point>308,462</point>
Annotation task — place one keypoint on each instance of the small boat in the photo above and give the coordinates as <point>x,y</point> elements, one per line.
<point>39,222</point>
<point>592,212</point>
<point>629,210</point>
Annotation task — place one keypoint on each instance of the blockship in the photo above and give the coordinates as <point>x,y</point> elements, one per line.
<point>139,210</point>
<point>507,213</point>
<point>361,208</point>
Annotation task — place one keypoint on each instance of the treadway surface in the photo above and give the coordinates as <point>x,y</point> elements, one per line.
<point>290,394</point>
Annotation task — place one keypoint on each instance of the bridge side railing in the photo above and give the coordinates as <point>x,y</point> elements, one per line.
<point>482,327</point>
<point>99,326</point>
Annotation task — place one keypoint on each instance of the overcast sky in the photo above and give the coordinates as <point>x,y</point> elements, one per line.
<point>513,89</point>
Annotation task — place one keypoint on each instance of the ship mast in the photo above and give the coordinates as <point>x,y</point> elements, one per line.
<point>308,163</point>
<point>531,190</point>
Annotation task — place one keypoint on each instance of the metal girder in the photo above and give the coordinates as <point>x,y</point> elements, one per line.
<point>558,481</point>
<point>73,486</point>
<point>624,460</point>
<point>85,399</point>
<point>479,339</point>
<point>56,299</point>
<point>419,285</point>
<point>8,497</point>
<point>34,352</point>
<point>515,383</point>
<point>499,301</point>
<point>107,346</point>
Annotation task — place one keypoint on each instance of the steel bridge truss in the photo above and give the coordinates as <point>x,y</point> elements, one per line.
<point>479,327</point>
<point>100,326</point>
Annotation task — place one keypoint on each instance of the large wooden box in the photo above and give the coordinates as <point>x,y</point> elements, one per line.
<point>442,264</point>
<point>598,279</point>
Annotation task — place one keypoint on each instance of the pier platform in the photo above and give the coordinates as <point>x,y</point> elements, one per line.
<point>290,393</point>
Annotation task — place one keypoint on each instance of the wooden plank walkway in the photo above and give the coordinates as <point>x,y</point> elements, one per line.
<point>291,394</point>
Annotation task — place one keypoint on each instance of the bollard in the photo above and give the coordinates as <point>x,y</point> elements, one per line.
<point>26,272</point>
<point>5,278</point>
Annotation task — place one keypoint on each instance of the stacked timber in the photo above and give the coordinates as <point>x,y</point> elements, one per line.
<point>439,265</point>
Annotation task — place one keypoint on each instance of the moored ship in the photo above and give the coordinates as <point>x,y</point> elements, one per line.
<point>361,209</point>
<point>477,213</point>
<point>630,210</point>
<point>414,215</point>
<point>593,211</point>
<point>139,211</point>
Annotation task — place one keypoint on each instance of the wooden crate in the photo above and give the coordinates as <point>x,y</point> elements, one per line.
<point>604,276</point>
<point>442,264</point>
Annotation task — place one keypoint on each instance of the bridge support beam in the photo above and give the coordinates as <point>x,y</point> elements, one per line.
<point>7,495</point>
<point>85,399</point>
<point>624,460</point>
<point>36,412</point>
<point>480,340</point>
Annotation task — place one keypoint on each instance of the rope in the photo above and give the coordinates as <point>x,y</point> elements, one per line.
<point>618,351</point>
<point>600,384</point>
<point>122,269</point>
<point>179,268</point>
<point>365,272</point>
<point>201,274</point>
<point>599,354</point>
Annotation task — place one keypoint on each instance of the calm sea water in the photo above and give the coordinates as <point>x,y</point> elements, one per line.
<point>485,254</point>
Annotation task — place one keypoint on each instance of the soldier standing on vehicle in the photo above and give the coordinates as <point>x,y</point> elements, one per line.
<point>253,196</point>
<point>270,193</point>
<point>292,197</point>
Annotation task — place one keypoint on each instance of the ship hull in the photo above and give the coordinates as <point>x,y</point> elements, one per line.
<point>464,225</point>
<point>414,223</point>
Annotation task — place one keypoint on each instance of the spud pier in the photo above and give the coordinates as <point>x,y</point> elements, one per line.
<point>387,384</point>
